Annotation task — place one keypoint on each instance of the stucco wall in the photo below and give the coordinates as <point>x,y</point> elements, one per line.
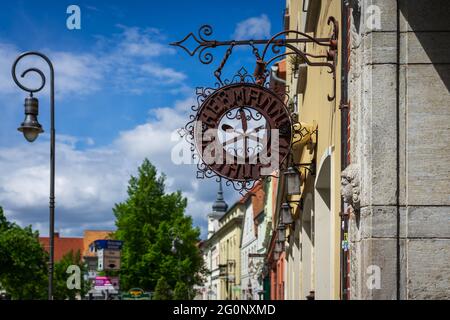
<point>312,87</point>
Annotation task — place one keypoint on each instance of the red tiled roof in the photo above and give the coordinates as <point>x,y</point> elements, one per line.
<point>282,69</point>
<point>62,245</point>
<point>258,199</point>
<point>257,196</point>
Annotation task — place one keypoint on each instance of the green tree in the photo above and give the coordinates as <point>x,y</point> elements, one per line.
<point>162,290</point>
<point>23,261</point>
<point>61,290</point>
<point>181,291</point>
<point>148,222</point>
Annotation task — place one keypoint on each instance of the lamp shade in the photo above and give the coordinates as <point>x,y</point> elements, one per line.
<point>292,178</point>
<point>30,126</point>
<point>286,216</point>
<point>278,247</point>
<point>281,232</point>
<point>276,255</point>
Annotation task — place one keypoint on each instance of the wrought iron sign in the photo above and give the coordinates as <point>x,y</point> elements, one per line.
<point>241,130</point>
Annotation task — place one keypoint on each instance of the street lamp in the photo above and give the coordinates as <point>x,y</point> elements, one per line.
<point>286,216</point>
<point>281,232</point>
<point>294,177</point>
<point>31,128</point>
<point>278,246</point>
<point>293,181</point>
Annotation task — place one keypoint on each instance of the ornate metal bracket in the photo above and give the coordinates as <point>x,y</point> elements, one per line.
<point>311,167</point>
<point>202,44</point>
<point>303,132</point>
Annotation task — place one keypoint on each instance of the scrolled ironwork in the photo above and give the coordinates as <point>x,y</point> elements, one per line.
<point>29,70</point>
<point>276,43</point>
<point>202,43</point>
<point>250,114</point>
<point>244,150</point>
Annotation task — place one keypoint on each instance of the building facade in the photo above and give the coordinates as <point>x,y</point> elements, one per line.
<point>251,249</point>
<point>311,248</point>
<point>210,250</point>
<point>248,247</point>
<point>397,179</point>
<point>230,230</point>
<point>369,218</point>
<point>221,251</point>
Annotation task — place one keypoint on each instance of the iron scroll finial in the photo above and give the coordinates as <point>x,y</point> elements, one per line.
<point>27,71</point>
<point>203,43</point>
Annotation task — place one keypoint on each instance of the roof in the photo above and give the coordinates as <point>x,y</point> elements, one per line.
<point>282,69</point>
<point>258,199</point>
<point>91,235</point>
<point>278,79</point>
<point>62,245</point>
<point>256,194</point>
<point>219,206</point>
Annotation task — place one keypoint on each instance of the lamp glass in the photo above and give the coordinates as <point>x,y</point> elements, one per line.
<point>281,233</point>
<point>286,214</point>
<point>30,127</point>
<point>30,134</point>
<point>292,181</point>
<point>278,247</point>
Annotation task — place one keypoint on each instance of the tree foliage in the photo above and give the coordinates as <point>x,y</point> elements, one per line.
<point>148,222</point>
<point>61,290</point>
<point>23,261</point>
<point>181,291</point>
<point>162,290</point>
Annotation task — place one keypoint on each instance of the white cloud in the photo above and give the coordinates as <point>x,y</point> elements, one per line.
<point>8,53</point>
<point>253,28</point>
<point>167,75</point>
<point>77,74</point>
<point>74,73</point>
<point>138,42</point>
<point>89,182</point>
<point>127,61</point>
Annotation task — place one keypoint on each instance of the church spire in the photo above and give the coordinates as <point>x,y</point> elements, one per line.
<point>220,206</point>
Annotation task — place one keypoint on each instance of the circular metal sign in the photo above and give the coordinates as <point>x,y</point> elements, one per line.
<point>243,131</point>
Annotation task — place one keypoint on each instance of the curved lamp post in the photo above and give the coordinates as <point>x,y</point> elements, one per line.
<point>31,128</point>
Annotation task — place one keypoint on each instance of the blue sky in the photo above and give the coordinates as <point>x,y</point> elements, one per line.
<point>121,92</point>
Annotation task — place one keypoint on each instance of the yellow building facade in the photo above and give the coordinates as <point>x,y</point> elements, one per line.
<point>313,243</point>
<point>229,233</point>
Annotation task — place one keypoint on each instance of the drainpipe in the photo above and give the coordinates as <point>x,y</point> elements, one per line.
<point>274,75</point>
<point>397,106</point>
<point>344,107</point>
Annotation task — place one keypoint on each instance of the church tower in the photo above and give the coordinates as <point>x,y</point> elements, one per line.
<point>219,208</point>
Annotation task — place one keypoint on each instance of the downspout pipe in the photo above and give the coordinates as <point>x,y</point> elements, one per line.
<point>344,107</point>
<point>397,105</point>
<point>274,75</point>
